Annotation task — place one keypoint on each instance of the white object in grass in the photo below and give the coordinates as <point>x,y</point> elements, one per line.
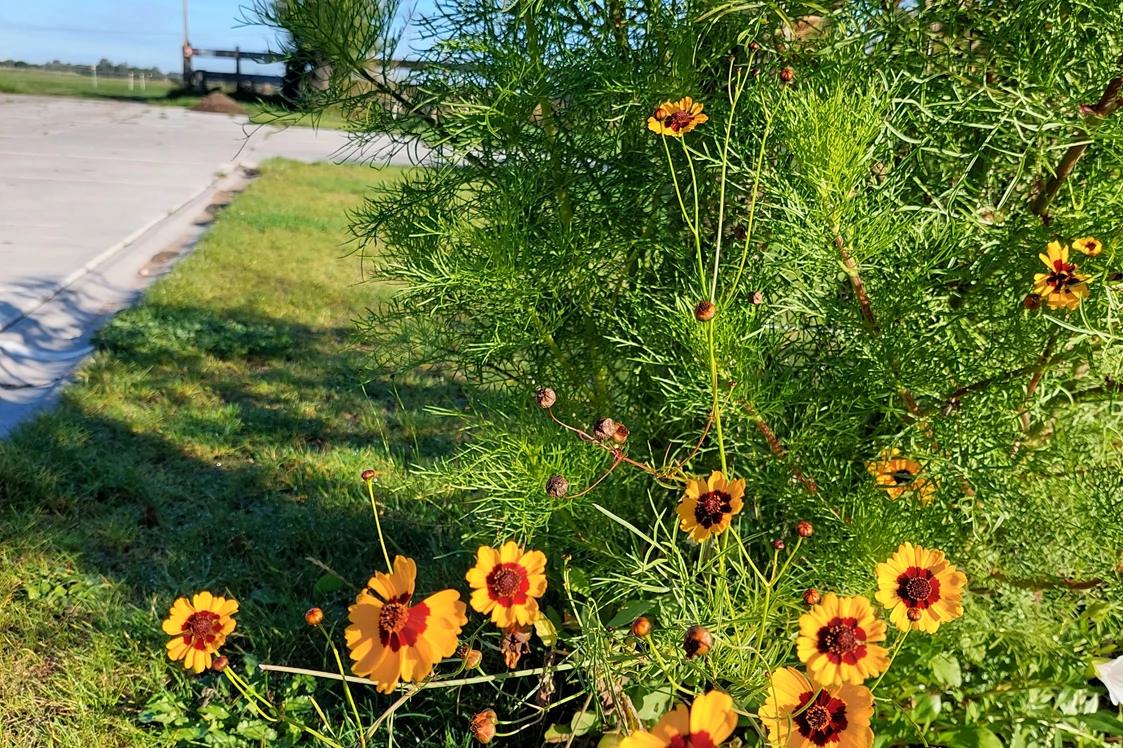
<point>1111,673</point>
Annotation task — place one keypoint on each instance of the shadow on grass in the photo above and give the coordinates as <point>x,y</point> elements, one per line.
<point>221,452</point>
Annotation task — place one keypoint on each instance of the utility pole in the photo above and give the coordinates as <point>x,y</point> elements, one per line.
<point>187,52</point>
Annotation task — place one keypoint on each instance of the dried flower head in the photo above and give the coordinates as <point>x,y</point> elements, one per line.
<point>698,642</point>
<point>604,428</point>
<point>622,434</point>
<point>314,617</point>
<point>705,311</point>
<point>556,486</point>
<point>515,643</point>
<point>1089,245</point>
<point>482,726</point>
<point>545,397</point>
<point>677,118</point>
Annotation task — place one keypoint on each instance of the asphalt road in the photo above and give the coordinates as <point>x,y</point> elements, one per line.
<point>90,191</point>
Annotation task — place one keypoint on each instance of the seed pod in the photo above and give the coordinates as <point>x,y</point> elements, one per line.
<point>604,428</point>
<point>622,434</point>
<point>754,47</point>
<point>705,311</point>
<point>220,664</point>
<point>914,614</point>
<point>756,297</point>
<point>787,75</point>
<point>556,486</point>
<point>811,596</point>
<point>805,529</point>
<point>698,642</point>
<point>368,475</point>
<point>472,659</point>
<point>755,72</point>
<point>1032,302</point>
<point>314,617</point>
<point>545,397</point>
<point>778,545</point>
<point>641,627</point>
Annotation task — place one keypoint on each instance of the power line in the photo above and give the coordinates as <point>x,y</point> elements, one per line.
<point>85,30</point>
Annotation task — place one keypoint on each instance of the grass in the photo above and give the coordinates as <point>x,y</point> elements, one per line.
<point>158,93</point>
<point>214,442</point>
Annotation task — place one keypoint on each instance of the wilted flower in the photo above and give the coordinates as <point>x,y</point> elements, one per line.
<point>604,428</point>
<point>698,642</point>
<point>1089,245</point>
<point>556,486</point>
<point>918,579</point>
<point>545,397</point>
<point>705,311</point>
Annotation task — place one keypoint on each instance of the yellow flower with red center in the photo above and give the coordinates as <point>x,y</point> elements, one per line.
<point>706,724</point>
<point>915,578</point>
<point>1089,245</point>
<point>391,638</point>
<point>836,641</point>
<point>896,475</point>
<point>676,118</point>
<point>1062,287</point>
<point>708,506</point>
<point>198,628</point>
<point>802,714</point>
<point>506,583</point>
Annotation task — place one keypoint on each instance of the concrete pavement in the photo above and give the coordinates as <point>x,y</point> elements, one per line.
<point>92,195</point>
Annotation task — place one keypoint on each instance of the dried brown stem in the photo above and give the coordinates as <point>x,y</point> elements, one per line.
<point>1108,103</point>
<point>778,450</point>
<point>1038,373</point>
<point>615,464</point>
<point>620,456</point>
<point>1046,583</point>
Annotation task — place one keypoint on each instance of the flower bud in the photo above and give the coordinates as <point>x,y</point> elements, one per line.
<point>472,659</point>
<point>805,529</point>
<point>641,627</point>
<point>604,428</point>
<point>220,664</point>
<point>556,486</point>
<point>1032,302</point>
<point>787,75</point>
<point>368,475</point>
<point>811,596</point>
<point>754,47</point>
<point>915,614</point>
<point>778,545</point>
<point>545,397</point>
<point>755,72</point>
<point>698,642</point>
<point>314,617</point>
<point>705,311</point>
<point>622,434</point>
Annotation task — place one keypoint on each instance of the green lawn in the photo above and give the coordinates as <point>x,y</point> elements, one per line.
<point>49,83</point>
<point>214,442</point>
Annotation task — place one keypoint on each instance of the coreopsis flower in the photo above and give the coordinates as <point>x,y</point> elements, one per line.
<point>800,714</point>
<point>506,584</point>
<point>837,641</point>
<point>392,639</point>
<point>1089,245</point>
<point>1062,287</point>
<point>708,506</point>
<point>198,628</point>
<point>676,118</point>
<point>898,475</point>
<point>708,722</point>
<point>920,580</point>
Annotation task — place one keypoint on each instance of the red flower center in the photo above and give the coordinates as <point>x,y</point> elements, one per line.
<point>711,508</point>
<point>823,721</point>
<point>504,582</point>
<point>678,120</point>
<point>508,584</point>
<point>917,588</point>
<point>202,625</point>
<point>393,618</point>
<point>1062,276</point>
<point>693,740</point>
<point>840,639</point>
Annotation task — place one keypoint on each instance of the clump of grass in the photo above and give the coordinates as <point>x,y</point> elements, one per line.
<point>214,442</point>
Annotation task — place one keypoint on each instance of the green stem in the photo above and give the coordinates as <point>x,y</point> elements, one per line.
<point>685,215</point>
<point>892,657</point>
<point>378,525</point>
<point>697,215</point>
<point>343,675</point>
<point>752,206</point>
<point>724,171</point>
<point>717,403</point>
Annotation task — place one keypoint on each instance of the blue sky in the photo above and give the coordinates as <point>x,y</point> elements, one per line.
<point>139,32</point>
